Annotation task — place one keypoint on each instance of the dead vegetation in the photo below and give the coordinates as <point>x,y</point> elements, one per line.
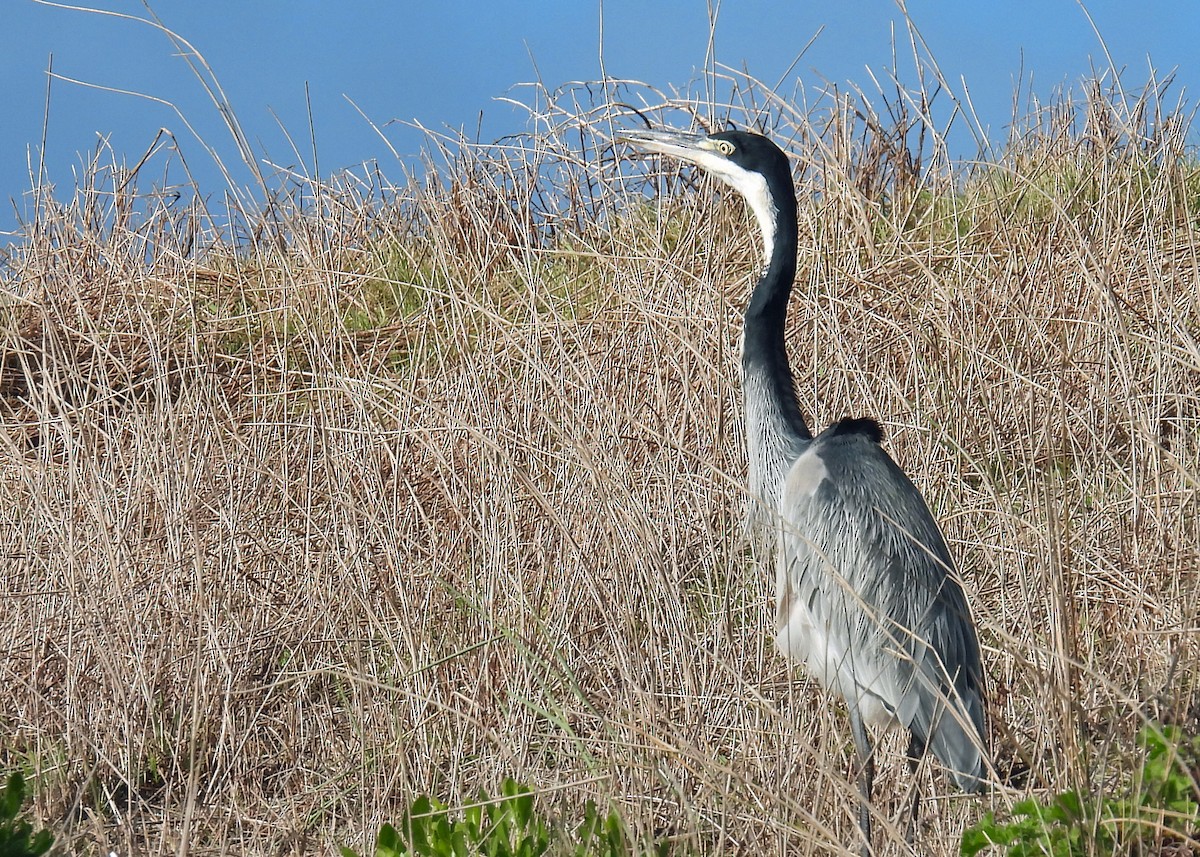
<point>402,489</point>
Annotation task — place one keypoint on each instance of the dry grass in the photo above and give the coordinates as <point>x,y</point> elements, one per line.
<point>415,488</point>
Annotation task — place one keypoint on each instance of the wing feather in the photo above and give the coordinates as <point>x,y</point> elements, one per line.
<point>868,598</point>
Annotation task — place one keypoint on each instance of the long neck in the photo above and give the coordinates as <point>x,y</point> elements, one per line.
<point>764,358</point>
<point>775,428</point>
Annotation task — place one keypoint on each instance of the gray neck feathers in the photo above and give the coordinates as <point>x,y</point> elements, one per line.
<point>771,446</point>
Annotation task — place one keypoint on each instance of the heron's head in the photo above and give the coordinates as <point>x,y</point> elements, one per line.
<point>749,163</point>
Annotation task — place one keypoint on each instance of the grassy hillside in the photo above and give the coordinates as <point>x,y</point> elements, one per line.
<point>403,489</point>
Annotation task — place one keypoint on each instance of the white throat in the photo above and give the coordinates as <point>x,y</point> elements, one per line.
<point>753,187</point>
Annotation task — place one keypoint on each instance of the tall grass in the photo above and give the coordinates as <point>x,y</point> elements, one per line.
<point>411,488</point>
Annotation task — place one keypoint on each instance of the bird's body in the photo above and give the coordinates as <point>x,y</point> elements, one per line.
<point>866,596</point>
<point>863,597</point>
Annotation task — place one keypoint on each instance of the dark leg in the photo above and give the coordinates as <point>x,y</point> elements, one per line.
<point>916,749</point>
<point>866,778</point>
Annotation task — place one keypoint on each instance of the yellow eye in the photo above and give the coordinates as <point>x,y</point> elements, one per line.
<point>725,147</point>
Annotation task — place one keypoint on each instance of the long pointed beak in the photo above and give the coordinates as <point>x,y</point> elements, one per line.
<point>689,147</point>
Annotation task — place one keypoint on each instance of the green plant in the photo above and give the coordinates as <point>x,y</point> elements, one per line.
<point>17,838</point>
<point>1161,799</point>
<point>504,827</point>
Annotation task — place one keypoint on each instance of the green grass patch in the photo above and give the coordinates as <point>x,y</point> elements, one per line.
<point>1158,809</point>
<point>17,837</point>
<point>509,826</point>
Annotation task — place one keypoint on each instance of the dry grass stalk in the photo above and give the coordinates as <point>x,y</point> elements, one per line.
<point>427,486</point>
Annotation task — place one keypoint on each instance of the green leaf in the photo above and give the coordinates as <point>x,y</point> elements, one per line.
<point>520,802</point>
<point>614,833</point>
<point>588,827</point>
<point>473,818</point>
<point>460,845</point>
<point>12,797</point>
<point>1068,807</point>
<point>441,836</point>
<point>388,843</point>
<point>979,836</point>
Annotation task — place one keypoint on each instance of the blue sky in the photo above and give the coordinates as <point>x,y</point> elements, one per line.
<point>443,63</point>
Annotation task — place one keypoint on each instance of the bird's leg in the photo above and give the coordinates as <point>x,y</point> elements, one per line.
<point>916,749</point>
<point>866,777</point>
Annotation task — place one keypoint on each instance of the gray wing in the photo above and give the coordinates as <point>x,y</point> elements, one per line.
<point>868,596</point>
